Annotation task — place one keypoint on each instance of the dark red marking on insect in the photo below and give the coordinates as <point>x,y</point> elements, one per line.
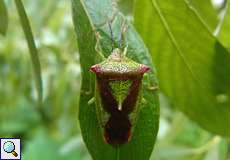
<point>144,69</point>
<point>131,99</point>
<point>118,75</point>
<point>118,128</point>
<point>108,101</point>
<point>96,69</point>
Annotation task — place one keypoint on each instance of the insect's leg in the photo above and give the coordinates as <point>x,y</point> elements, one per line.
<point>90,86</point>
<point>98,46</point>
<point>91,101</point>
<point>151,87</point>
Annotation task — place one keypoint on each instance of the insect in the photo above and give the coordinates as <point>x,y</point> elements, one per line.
<point>118,95</point>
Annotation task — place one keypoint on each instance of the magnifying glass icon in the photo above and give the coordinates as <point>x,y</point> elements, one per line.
<point>9,147</point>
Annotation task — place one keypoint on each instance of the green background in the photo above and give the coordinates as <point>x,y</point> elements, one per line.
<point>186,108</point>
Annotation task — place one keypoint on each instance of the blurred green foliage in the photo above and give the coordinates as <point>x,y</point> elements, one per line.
<point>4,18</point>
<point>19,116</point>
<point>57,135</point>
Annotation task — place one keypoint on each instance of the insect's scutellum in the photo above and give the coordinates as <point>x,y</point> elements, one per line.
<point>118,95</point>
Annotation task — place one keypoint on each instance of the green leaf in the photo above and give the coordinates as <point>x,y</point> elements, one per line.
<point>126,6</point>
<point>225,29</point>
<point>3,17</point>
<point>43,146</point>
<point>89,15</point>
<point>206,11</point>
<point>15,121</point>
<point>193,67</point>
<point>32,47</point>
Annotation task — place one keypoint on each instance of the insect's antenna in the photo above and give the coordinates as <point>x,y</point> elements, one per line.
<point>111,34</point>
<point>124,28</point>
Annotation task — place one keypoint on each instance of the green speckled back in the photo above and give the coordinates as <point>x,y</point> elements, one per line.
<point>120,90</point>
<point>118,96</point>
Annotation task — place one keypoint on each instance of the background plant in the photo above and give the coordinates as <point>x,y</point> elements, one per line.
<point>185,29</point>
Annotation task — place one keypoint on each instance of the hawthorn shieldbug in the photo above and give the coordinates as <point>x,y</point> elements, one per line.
<point>118,95</point>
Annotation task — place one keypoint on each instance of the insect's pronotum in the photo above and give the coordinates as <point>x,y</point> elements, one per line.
<point>118,94</point>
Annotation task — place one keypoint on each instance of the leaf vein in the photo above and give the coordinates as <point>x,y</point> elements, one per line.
<point>173,40</point>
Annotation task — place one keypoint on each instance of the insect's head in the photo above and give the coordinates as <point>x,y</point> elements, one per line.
<point>117,64</point>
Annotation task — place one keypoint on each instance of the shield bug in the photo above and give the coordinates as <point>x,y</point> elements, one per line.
<point>118,95</point>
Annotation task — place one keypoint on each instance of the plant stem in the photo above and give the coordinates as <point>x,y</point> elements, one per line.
<point>32,47</point>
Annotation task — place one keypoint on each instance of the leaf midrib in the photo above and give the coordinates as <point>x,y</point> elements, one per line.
<point>94,29</point>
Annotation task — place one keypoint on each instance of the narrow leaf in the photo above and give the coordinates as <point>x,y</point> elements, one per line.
<point>224,35</point>
<point>89,16</point>
<point>32,47</point>
<point>193,67</point>
<point>3,18</point>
